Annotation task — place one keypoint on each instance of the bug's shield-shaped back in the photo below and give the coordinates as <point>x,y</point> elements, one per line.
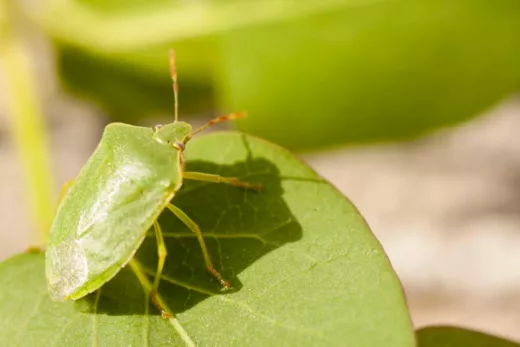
<point>66,269</point>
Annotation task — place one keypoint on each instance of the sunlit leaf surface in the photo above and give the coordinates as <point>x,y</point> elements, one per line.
<point>305,268</point>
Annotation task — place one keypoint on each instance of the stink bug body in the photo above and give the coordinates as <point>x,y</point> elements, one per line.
<point>105,214</point>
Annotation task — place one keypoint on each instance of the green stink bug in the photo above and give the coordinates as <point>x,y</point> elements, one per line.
<point>105,214</point>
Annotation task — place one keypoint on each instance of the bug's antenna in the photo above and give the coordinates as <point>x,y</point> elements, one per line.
<point>231,116</point>
<point>173,72</point>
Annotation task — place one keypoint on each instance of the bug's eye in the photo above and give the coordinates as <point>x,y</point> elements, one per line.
<point>158,126</point>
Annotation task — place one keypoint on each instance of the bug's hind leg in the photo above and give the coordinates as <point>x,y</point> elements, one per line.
<point>139,272</point>
<point>199,176</point>
<point>196,230</point>
<point>34,249</point>
<point>162,253</point>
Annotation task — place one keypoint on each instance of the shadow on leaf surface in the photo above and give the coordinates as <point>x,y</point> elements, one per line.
<point>238,225</point>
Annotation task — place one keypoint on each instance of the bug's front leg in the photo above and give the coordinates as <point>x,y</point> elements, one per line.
<point>199,176</point>
<point>196,230</point>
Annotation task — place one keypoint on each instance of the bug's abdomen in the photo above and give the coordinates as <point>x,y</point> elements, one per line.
<point>104,218</point>
<point>66,267</point>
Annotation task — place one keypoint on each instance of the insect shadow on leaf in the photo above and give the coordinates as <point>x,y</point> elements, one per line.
<point>239,227</point>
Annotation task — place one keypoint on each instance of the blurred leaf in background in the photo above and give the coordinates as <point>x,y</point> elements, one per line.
<point>375,70</point>
<point>128,92</point>
<point>309,73</point>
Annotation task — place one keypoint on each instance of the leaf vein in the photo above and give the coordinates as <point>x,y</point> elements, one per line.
<point>180,283</point>
<point>146,318</point>
<point>94,319</point>
<point>33,313</point>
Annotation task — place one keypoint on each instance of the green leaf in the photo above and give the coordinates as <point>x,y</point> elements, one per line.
<point>137,25</point>
<point>305,268</point>
<point>113,52</point>
<point>309,73</point>
<point>130,90</point>
<point>446,336</point>
<point>376,70</point>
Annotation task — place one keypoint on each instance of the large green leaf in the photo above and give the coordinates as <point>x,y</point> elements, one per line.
<point>305,268</point>
<point>446,336</point>
<point>310,73</point>
<point>376,70</point>
<point>129,91</point>
<point>113,52</point>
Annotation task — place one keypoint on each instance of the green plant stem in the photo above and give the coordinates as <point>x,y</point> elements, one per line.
<point>26,120</point>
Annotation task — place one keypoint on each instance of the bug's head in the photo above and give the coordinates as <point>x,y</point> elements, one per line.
<point>177,134</point>
<point>173,134</point>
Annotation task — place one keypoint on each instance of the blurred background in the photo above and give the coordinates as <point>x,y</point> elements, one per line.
<point>409,107</point>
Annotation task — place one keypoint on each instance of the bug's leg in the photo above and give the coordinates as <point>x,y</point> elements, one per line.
<point>34,250</point>
<point>199,176</point>
<point>161,253</point>
<point>139,272</point>
<point>196,230</point>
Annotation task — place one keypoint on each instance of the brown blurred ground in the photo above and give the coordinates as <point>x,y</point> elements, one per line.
<point>446,208</point>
